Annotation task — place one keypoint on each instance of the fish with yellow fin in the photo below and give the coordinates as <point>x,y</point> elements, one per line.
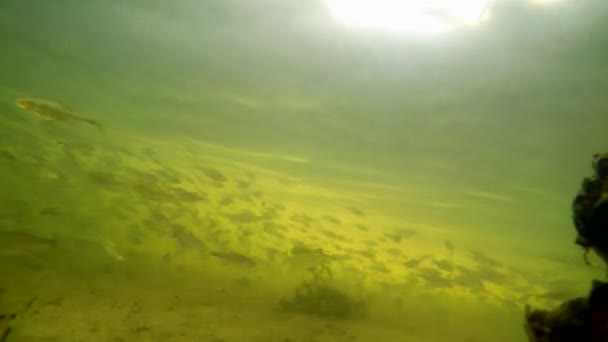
<point>53,111</point>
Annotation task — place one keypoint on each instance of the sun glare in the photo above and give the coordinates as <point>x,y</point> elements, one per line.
<point>411,16</point>
<point>543,2</point>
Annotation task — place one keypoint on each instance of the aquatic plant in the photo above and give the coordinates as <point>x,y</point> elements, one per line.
<point>319,297</point>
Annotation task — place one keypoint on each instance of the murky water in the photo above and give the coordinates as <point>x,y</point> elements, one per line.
<point>262,173</point>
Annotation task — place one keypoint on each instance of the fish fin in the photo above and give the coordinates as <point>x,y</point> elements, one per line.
<point>92,122</point>
<point>62,106</point>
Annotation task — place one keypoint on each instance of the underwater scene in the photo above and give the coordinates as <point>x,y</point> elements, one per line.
<point>294,171</point>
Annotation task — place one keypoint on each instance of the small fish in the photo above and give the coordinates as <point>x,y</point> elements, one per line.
<point>167,257</point>
<point>356,211</point>
<point>449,245</point>
<point>413,263</point>
<point>331,219</point>
<point>243,184</point>
<point>235,258</point>
<point>49,110</point>
<point>51,211</point>
<point>24,244</point>
<point>214,174</point>
<point>400,235</point>
<point>245,216</point>
<point>186,239</point>
<point>397,238</point>
<point>444,265</point>
<point>5,155</point>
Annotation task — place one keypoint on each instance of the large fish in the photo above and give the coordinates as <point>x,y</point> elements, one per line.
<point>49,110</point>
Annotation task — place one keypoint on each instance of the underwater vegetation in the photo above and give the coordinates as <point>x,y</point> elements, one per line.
<point>318,297</point>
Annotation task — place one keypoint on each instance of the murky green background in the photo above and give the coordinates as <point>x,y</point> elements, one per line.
<point>248,147</point>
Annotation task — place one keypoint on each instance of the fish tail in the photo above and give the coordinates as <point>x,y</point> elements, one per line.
<point>92,122</point>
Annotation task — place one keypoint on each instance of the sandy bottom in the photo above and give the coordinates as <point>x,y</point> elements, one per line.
<point>93,299</point>
<point>115,241</point>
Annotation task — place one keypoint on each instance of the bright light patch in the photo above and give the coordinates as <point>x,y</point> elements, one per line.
<point>412,16</point>
<point>542,2</point>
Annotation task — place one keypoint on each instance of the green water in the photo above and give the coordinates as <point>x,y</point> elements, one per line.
<point>266,174</point>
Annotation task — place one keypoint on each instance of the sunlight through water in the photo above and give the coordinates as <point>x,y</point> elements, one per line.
<point>410,16</point>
